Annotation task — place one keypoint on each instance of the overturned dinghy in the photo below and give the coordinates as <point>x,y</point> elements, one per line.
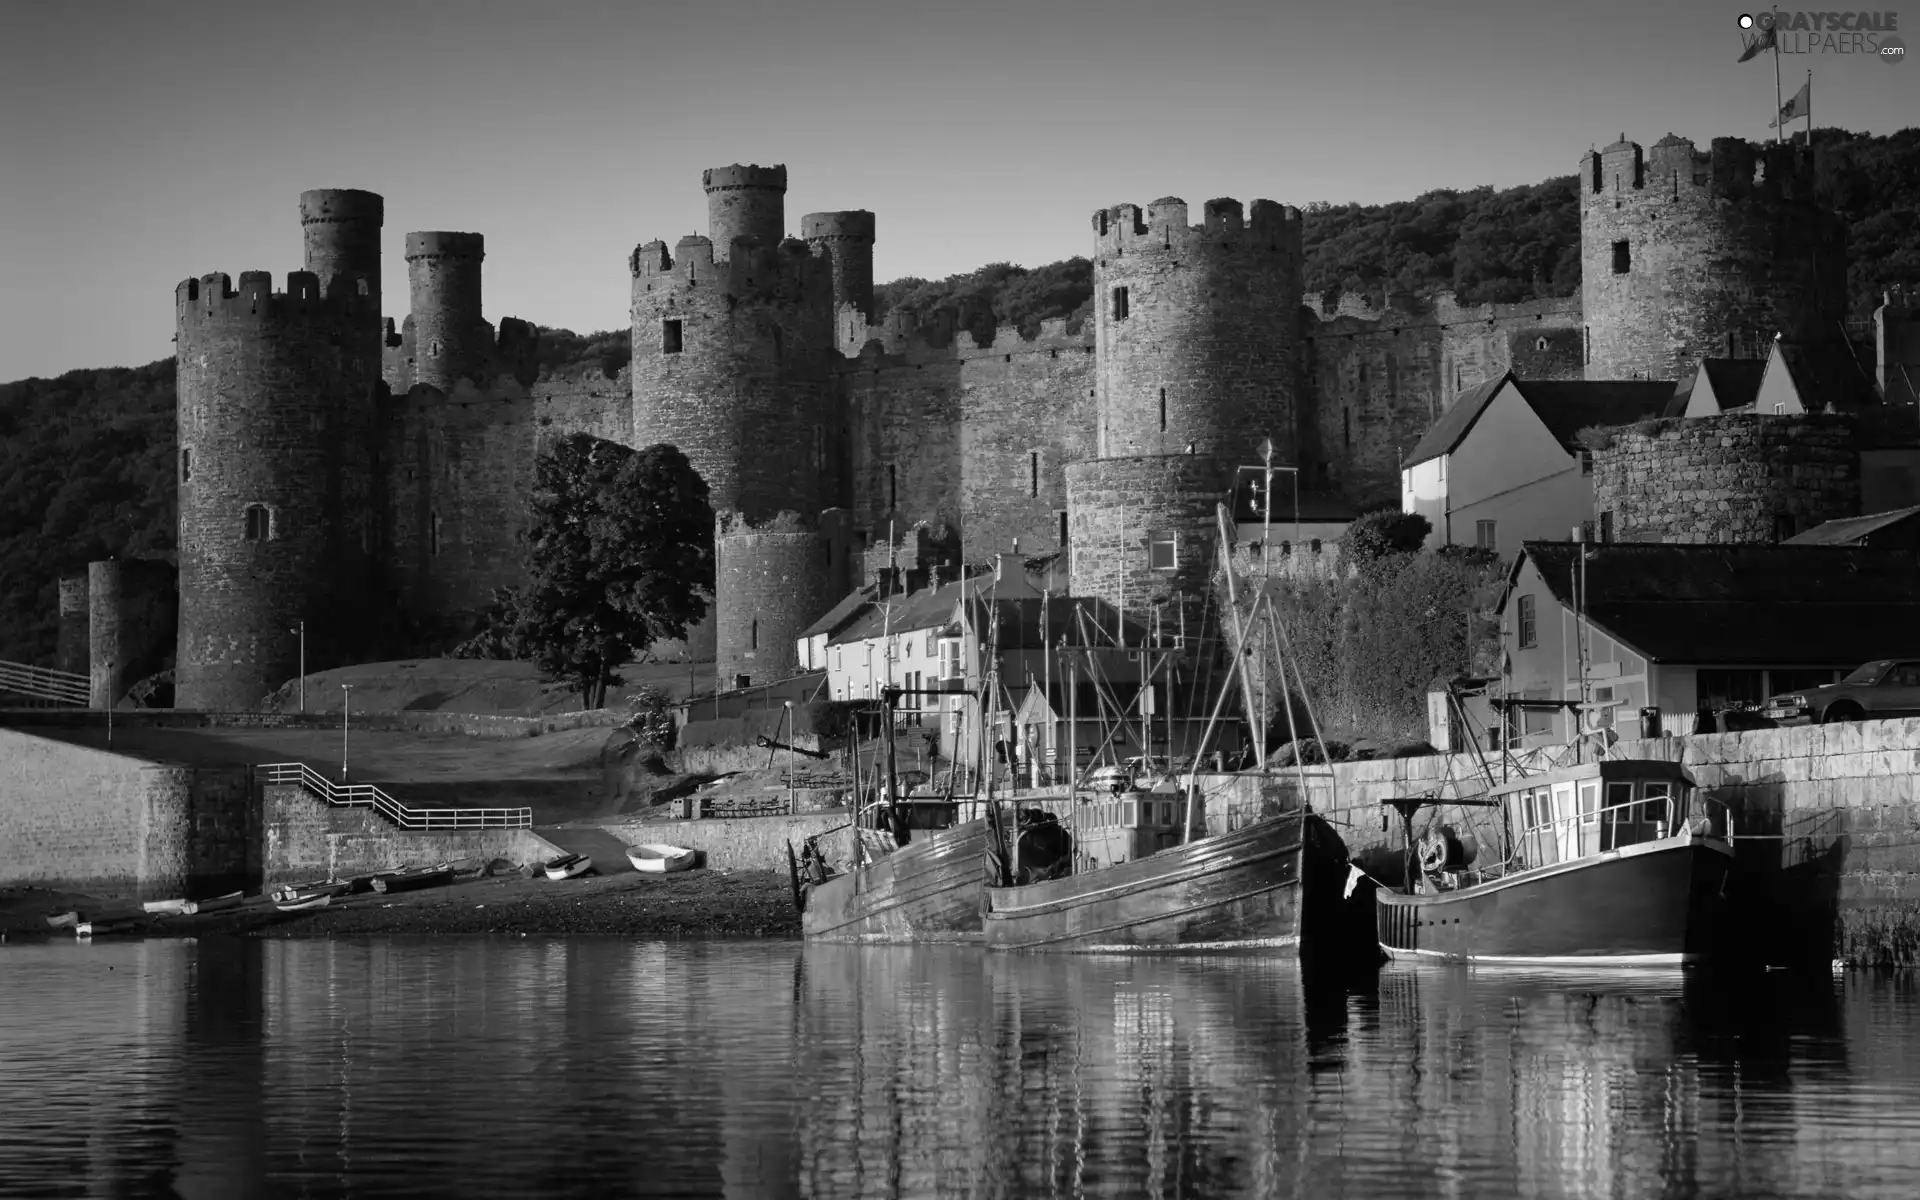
<point>568,866</point>
<point>658,858</point>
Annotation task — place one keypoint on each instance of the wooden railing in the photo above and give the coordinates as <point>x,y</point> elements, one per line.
<point>366,795</point>
<point>44,683</point>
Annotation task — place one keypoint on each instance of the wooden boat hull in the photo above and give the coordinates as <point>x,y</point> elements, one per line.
<point>301,903</point>
<point>1245,889</point>
<point>930,890</point>
<point>1653,904</point>
<point>409,881</point>
<point>334,887</point>
<point>570,867</point>
<point>656,859</point>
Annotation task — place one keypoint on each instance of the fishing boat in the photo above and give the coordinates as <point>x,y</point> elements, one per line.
<point>303,901</point>
<point>1611,862</point>
<point>567,866</point>
<point>230,900</point>
<point>1145,876</point>
<point>413,879</point>
<point>657,858</point>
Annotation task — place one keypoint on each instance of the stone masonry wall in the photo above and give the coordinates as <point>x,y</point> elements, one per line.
<point>1731,478</point>
<point>1026,410</point>
<point>1377,377</point>
<point>70,654</point>
<point>773,581</point>
<point>304,838</point>
<point>108,824</point>
<point>1114,504</point>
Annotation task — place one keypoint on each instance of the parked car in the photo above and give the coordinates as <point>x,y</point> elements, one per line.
<point>1886,687</point>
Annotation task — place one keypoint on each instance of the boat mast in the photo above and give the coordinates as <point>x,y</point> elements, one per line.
<point>1259,736</point>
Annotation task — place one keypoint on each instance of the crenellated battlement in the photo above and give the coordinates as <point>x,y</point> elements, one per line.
<point>1731,169</point>
<point>441,244</point>
<point>750,175</point>
<point>216,298</point>
<point>1226,225</point>
<point>341,205</point>
<point>855,226</point>
<point>900,341</point>
<point>1439,309</point>
<point>752,268</point>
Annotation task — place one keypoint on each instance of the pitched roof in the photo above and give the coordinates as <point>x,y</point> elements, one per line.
<point>1733,381</point>
<point>1451,429</point>
<point>1565,407</point>
<point>1016,622</point>
<point>1853,531</point>
<point>928,608</point>
<point>837,616</point>
<point>1828,377</point>
<point>1742,604</point>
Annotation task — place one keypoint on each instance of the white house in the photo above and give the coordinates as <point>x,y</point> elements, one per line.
<point>1503,464</point>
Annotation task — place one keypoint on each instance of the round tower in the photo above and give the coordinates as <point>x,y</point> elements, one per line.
<point>847,239</point>
<point>1687,255</point>
<point>745,202</point>
<point>1738,477</point>
<point>106,666</point>
<point>732,354</point>
<point>71,654</point>
<point>451,339</point>
<point>341,228</point>
<point>773,580</point>
<point>1196,352</point>
<point>274,412</point>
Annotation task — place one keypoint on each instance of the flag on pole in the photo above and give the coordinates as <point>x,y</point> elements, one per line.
<point>1769,40</point>
<point>1795,108</point>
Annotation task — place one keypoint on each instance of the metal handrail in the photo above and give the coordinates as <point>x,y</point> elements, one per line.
<point>45,683</point>
<point>367,795</point>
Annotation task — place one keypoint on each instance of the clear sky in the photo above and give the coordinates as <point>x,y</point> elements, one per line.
<point>142,143</point>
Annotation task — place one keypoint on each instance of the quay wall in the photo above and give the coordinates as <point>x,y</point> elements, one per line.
<point>1827,824</point>
<point>305,838</point>
<point>85,820</point>
<point>739,843</point>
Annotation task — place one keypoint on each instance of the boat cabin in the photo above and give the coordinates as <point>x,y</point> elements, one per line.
<point>1580,811</point>
<point>1127,826</point>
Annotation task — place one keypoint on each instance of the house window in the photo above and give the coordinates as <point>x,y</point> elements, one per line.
<point>1119,304</point>
<point>1484,535</point>
<point>1536,721</point>
<point>1726,689</point>
<point>1606,526</point>
<point>1162,551</point>
<point>186,464</point>
<point>836,658</point>
<point>1782,526</point>
<point>933,644</point>
<point>1033,474</point>
<point>670,340</point>
<point>1529,628</point>
<point>950,664</point>
<point>1622,258</point>
<point>1586,462</point>
<point>259,523</point>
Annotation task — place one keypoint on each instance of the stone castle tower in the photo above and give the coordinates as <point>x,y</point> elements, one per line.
<point>1688,255</point>
<point>277,397</point>
<point>1196,358</point>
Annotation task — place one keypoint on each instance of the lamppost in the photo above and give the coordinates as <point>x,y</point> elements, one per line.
<point>302,631</point>
<point>113,673</point>
<point>346,701</point>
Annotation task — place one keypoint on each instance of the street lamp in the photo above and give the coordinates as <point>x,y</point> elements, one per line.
<point>346,700</point>
<point>302,631</point>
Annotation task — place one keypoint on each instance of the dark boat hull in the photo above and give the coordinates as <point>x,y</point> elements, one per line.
<point>1252,888</point>
<point>1649,905</point>
<point>930,890</point>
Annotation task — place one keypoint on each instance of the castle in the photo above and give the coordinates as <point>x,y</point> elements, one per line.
<point>333,464</point>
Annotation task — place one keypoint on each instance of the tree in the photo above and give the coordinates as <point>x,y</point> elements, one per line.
<point>1378,536</point>
<point>620,552</point>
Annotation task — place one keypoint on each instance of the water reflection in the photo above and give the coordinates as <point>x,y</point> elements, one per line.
<point>594,1068</point>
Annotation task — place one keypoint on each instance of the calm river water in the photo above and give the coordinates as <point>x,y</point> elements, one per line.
<point>239,1068</point>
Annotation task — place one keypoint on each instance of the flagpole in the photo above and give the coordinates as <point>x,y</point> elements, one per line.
<point>1779,126</point>
<point>1809,109</point>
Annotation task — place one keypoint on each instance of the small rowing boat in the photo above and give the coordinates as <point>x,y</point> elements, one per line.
<point>567,866</point>
<point>658,858</point>
<point>87,929</point>
<point>230,900</point>
<point>305,901</point>
<point>65,920</point>
<point>329,887</point>
<point>411,880</point>
<point>170,908</point>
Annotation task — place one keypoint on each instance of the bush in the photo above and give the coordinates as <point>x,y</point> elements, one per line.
<point>652,719</point>
<point>1384,533</point>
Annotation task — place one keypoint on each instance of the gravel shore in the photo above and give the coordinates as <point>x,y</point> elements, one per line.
<point>692,905</point>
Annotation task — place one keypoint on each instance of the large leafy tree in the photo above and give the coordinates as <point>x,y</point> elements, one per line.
<point>620,556</point>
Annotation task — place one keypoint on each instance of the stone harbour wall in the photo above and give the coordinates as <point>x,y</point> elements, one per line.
<point>1741,478</point>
